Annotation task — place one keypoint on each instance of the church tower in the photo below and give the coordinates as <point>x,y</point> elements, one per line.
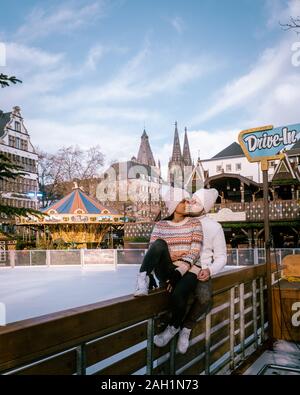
<point>145,155</point>
<point>175,167</point>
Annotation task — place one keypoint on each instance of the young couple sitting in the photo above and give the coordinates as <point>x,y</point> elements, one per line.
<point>185,250</point>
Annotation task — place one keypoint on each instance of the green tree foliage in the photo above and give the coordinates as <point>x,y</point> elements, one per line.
<point>5,80</point>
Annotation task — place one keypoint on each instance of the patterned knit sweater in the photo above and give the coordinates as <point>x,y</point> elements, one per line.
<point>180,236</point>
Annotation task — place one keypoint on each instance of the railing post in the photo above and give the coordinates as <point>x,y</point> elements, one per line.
<point>48,257</point>
<point>150,346</point>
<point>242,319</point>
<point>237,257</point>
<point>254,302</point>
<point>255,256</point>
<point>81,360</point>
<point>30,258</point>
<point>115,259</point>
<point>232,299</point>
<point>12,258</point>
<point>173,356</point>
<point>280,257</point>
<point>262,309</point>
<point>207,342</point>
<point>82,257</point>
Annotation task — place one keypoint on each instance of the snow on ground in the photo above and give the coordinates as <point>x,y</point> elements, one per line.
<point>284,355</point>
<point>33,291</point>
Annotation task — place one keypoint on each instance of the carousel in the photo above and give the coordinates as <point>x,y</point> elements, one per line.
<point>76,221</point>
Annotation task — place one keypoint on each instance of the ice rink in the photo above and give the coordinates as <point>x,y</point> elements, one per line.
<point>33,291</point>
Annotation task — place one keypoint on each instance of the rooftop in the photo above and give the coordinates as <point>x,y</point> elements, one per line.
<point>233,149</point>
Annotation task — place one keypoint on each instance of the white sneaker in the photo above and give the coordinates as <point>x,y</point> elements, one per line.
<point>163,338</point>
<point>183,340</point>
<point>142,284</point>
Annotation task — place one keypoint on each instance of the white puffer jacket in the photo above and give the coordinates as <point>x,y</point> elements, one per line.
<point>214,252</point>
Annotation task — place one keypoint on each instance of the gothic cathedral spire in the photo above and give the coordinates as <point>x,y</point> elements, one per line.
<point>176,154</point>
<point>186,150</point>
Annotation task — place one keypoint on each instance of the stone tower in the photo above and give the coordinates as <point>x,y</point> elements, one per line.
<point>145,155</point>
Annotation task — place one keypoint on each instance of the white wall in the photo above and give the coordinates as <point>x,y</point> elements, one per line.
<point>248,169</point>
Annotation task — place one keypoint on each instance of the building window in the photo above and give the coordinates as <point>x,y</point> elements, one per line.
<point>238,166</point>
<point>219,168</point>
<point>17,126</point>
<point>228,167</point>
<point>24,145</point>
<point>18,143</point>
<point>11,141</point>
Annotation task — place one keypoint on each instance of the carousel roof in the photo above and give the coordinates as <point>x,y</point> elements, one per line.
<point>78,202</point>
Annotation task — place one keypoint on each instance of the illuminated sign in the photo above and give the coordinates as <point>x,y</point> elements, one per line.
<point>265,143</point>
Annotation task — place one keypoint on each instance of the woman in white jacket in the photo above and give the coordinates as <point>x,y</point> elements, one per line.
<point>212,260</point>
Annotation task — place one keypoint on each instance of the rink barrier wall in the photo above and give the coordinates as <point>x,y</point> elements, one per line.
<point>116,336</point>
<point>114,257</point>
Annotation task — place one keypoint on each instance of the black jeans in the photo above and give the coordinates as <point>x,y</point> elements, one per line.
<point>201,303</point>
<point>158,259</point>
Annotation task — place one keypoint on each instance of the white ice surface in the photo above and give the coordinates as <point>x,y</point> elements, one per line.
<point>34,291</point>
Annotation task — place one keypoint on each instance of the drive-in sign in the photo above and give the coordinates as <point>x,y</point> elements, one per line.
<point>265,143</point>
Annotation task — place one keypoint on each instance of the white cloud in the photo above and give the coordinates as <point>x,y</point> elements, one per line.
<point>262,76</point>
<point>97,52</point>
<point>84,135</point>
<point>133,82</point>
<point>178,24</point>
<point>41,72</point>
<point>42,22</point>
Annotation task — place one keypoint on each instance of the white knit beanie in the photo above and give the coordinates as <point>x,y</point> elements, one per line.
<point>207,197</point>
<point>172,197</point>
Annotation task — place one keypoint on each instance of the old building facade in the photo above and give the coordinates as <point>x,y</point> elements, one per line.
<point>16,145</point>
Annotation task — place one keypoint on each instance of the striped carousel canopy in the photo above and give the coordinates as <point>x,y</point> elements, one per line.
<point>78,202</point>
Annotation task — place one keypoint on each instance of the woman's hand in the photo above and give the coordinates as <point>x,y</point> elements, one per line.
<point>175,256</point>
<point>204,275</point>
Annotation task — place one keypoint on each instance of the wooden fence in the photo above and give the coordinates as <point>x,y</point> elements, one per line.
<point>116,336</point>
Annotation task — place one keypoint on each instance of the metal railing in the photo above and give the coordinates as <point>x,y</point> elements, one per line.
<point>83,257</point>
<point>116,336</point>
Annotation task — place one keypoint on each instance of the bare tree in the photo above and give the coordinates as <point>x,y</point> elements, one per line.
<point>50,178</point>
<point>79,164</point>
<point>294,24</point>
<point>68,164</point>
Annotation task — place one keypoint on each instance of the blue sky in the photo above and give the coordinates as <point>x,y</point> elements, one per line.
<point>95,72</point>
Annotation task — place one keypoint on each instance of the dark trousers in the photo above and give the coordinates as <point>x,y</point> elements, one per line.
<point>158,259</point>
<point>200,303</point>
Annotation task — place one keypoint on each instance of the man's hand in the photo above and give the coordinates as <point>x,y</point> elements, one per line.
<point>175,256</point>
<point>173,280</point>
<point>204,275</point>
